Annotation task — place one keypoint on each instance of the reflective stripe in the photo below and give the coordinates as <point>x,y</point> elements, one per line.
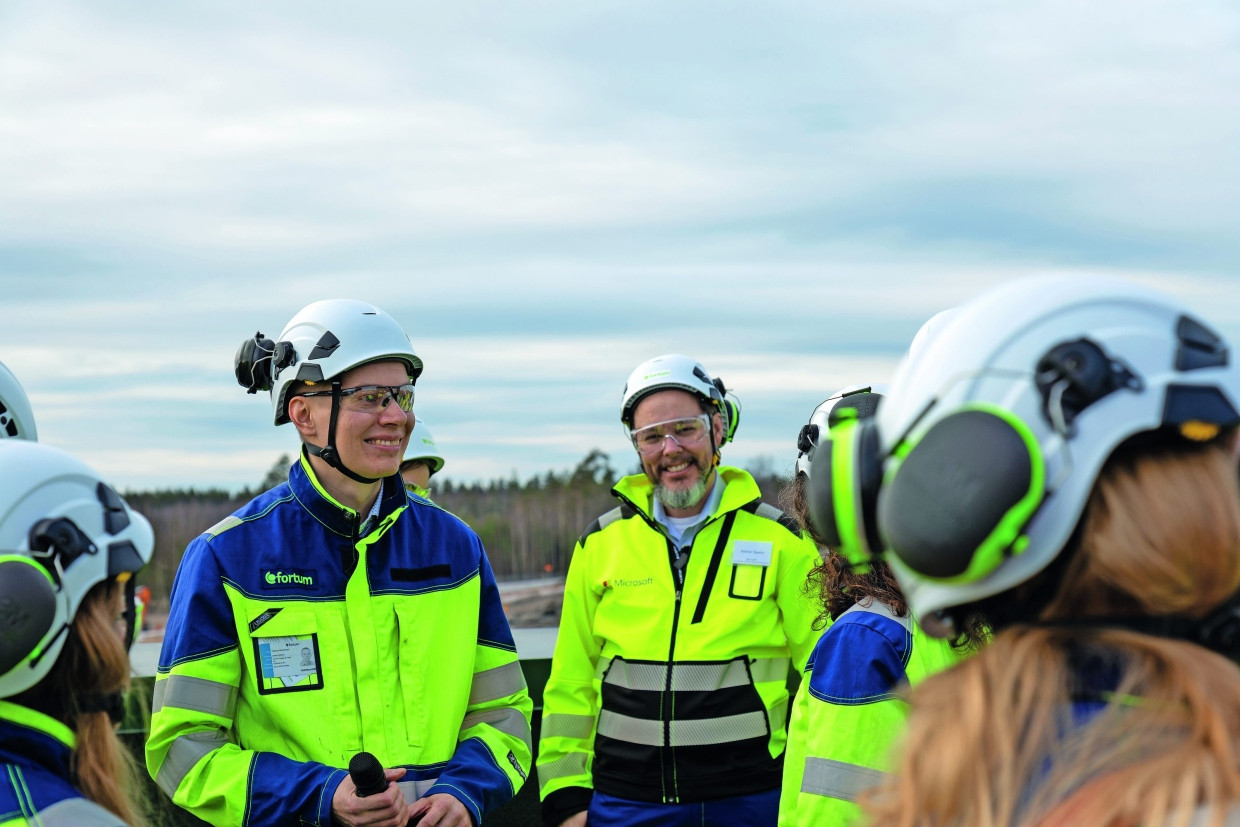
<point>198,694</point>
<point>693,677</point>
<point>725,730</point>
<point>186,751</point>
<point>223,525</point>
<point>837,779</point>
<point>76,812</point>
<point>496,683</point>
<point>770,669</point>
<point>704,677</point>
<point>684,733</point>
<point>570,765</point>
<point>609,518</point>
<point>506,719</point>
<point>413,790</point>
<point>560,725</point>
<point>881,609</point>
<point>633,730</point>
<point>645,677</point>
<point>769,511</point>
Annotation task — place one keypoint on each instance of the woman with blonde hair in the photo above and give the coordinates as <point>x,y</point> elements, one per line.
<point>1059,464</point>
<point>69,546</point>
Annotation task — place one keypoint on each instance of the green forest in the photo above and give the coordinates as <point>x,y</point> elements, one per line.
<point>525,525</point>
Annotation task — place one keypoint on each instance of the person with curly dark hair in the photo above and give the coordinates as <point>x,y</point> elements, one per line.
<point>850,707</point>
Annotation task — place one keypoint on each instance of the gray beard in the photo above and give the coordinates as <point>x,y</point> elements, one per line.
<point>681,498</point>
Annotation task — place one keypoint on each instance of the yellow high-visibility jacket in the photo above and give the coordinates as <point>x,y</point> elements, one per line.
<point>296,641</point>
<point>669,678</point>
<point>850,710</point>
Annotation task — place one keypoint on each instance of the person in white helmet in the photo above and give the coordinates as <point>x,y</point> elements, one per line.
<point>69,547</point>
<point>1059,463</point>
<point>850,707</point>
<point>337,614</point>
<point>684,610</point>
<point>16,417</point>
<point>422,461</point>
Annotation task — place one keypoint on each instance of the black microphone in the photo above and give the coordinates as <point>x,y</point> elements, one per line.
<point>367,774</point>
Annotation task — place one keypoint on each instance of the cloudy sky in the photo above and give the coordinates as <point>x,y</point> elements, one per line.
<point>545,194</point>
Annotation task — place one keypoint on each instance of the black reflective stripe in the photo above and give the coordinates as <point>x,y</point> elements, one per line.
<point>716,558</point>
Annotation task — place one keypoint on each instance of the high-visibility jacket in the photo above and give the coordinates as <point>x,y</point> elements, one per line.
<point>295,642</point>
<point>35,779</point>
<point>669,678</point>
<point>849,711</point>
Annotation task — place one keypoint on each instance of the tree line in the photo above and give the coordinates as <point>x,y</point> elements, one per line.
<point>528,527</point>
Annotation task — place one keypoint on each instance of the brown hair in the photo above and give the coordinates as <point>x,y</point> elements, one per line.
<point>994,740</point>
<point>94,662</point>
<point>837,584</point>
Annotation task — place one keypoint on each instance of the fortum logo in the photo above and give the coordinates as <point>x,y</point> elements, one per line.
<point>280,578</point>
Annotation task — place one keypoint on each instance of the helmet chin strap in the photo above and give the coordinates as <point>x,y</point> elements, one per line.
<point>329,453</point>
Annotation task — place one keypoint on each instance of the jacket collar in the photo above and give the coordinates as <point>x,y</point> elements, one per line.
<point>33,736</point>
<point>337,517</point>
<point>740,490</point>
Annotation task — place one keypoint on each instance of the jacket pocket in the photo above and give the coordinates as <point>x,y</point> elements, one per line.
<point>286,650</point>
<point>747,582</point>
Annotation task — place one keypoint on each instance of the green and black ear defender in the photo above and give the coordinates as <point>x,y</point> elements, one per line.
<point>953,504</point>
<point>956,501</point>
<point>844,475</point>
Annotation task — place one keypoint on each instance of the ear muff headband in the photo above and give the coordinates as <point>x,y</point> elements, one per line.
<point>27,608</point>
<point>954,507</point>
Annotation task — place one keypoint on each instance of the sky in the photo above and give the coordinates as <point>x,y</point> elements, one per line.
<point>545,194</point>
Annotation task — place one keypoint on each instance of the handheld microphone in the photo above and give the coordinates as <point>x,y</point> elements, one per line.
<point>367,774</point>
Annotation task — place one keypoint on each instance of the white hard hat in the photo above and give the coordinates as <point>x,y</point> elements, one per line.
<point>851,402</point>
<point>62,531</point>
<point>676,372</point>
<point>995,430</point>
<point>322,341</point>
<point>16,417</point>
<point>422,446</point>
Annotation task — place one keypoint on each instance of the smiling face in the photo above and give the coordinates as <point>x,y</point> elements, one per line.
<point>682,475</point>
<point>371,445</point>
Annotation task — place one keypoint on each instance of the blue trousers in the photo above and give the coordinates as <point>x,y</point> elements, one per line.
<point>753,810</point>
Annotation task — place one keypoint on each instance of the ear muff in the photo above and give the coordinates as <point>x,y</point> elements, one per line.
<point>259,360</point>
<point>733,418</point>
<point>844,478</point>
<point>27,608</point>
<point>854,406</point>
<point>954,507</point>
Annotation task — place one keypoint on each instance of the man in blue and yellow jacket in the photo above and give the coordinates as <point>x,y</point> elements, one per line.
<point>336,614</point>
<point>683,612</point>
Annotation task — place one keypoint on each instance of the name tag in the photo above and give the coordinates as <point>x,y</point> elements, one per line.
<point>751,553</point>
<point>287,659</point>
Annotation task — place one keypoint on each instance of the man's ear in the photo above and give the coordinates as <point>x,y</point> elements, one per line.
<point>300,415</point>
<point>716,426</point>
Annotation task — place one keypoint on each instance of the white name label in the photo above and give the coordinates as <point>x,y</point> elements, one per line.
<point>751,553</point>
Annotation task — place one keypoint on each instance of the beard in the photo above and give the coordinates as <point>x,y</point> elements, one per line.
<point>682,498</point>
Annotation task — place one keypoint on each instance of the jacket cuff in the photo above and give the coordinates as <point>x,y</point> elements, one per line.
<point>324,814</point>
<point>563,803</point>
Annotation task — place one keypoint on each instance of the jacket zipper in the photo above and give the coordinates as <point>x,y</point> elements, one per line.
<point>679,559</point>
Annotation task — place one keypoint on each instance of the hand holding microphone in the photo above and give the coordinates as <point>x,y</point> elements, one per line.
<point>369,797</point>
<point>367,774</point>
